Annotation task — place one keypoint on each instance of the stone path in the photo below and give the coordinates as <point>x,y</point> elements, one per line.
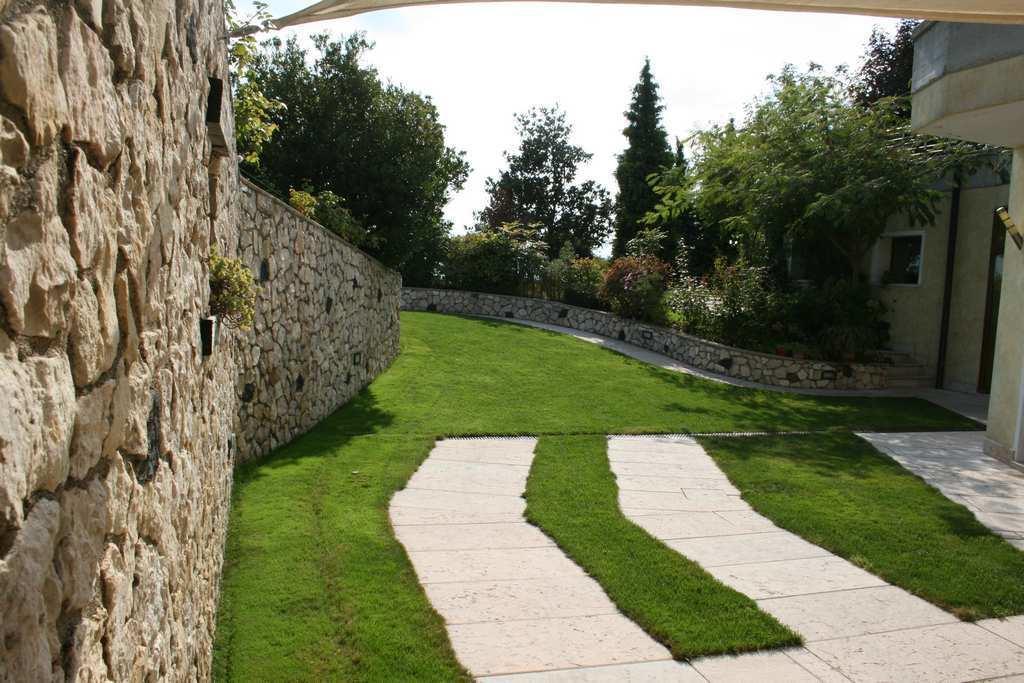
<point>518,610</point>
<point>974,406</point>
<point>856,626</point>
<point>512,601</point>
<point>955,463</point>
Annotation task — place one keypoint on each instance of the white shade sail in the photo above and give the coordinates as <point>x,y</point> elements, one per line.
<point>984,11</point>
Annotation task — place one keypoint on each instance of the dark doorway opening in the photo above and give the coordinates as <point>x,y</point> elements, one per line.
<point>995,285</point>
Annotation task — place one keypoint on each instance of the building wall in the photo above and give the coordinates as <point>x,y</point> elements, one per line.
<point>117,436</point>
<point>326,323</point>
<point>724,360</point>
<point>1005,409</point>
<point>915,311</point>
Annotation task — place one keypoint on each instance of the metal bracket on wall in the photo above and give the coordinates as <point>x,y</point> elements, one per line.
<point>1011,227</point>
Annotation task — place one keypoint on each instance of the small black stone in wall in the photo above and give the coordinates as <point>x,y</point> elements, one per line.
<point>300,382</point>
<point>357,358</point>
<point>564,313</point>
<point>508,314</point>
<point>348,378</point>
<point>248,392</point>
<point>431,308</point>
<point>847,371</point>
<point>380,294</point>
<point>264,270</point>
<point>725,363</point>
<point>355,283</point>
<point>622,335</point>
<point>664,348</point>
<point>145,469</point>
<point>829,375</point>
<point>329,305</point>
<point>647,334</point>
<point>792,377</point>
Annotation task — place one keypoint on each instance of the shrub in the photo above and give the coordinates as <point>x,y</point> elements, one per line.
<point>332,213</point>
<point>583,280</point>
<point>840,317</point>
<point>633,287</point>
<point>302,201</point>
<point>734,305</point>
<point>647,242</point>
<point>232,291</point>
<point>505,260</point>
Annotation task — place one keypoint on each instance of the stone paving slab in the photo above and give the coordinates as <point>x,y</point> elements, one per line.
<point>477,601</point>
<point>511,600</point>
<point>644,672</point>
<point>773,546</point>
<point>956,464</point>
<point>1011,629</point>
<point>822,616</point>
<point>794,577</point>
<point>640,483</point>
<point>950,652</point>
<point>553,643</point>
<point>471,536</point>
<point>856,627</point>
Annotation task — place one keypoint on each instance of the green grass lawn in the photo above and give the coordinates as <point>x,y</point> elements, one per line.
<point>571,494</point>
<point>316,587</point>
<point>839,492</point>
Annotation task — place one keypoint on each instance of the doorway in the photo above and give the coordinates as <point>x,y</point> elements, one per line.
<point>991,323</point>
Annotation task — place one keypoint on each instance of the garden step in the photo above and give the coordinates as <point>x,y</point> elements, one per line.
<point>922,382</point>
<point>910,370</point>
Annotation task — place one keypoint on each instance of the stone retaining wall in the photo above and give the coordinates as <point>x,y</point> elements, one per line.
<point>724,360</point>
<point>116,433</point>
<point>326,323</point>
<point>115,471</point>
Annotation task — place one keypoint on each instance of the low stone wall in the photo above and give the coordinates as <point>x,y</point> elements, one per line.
<point>724,360</point>
<point>326,323</point>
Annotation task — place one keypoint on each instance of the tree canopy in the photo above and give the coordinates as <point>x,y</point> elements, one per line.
<point>806,163</point>
<point>540,187</point>
<point>887,66</point>
<point>379,148</point>
<point>647,152</point>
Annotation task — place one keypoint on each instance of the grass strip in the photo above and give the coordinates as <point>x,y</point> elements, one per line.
<point>572,495</point>
<point>837,491</point>
<point>315,585</point>
<point>464,376</point>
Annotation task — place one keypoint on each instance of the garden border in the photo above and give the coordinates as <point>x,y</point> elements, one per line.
<point>753,366</point>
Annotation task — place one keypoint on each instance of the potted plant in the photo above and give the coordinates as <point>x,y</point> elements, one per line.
<point>232,299</point>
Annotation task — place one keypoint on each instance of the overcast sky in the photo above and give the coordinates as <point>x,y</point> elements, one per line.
<point>482,63</point>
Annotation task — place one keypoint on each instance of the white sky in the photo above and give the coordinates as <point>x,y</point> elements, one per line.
<point>482,63</point>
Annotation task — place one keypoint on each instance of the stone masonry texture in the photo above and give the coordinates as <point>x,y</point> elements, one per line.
<point>326,323</point>
<point>117,436</point>
<point>724,360</point>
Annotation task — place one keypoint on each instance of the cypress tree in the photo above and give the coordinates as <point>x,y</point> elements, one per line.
<point>648,151</point>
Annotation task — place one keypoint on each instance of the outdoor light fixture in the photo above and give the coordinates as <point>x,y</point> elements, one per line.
<point>1010,226</point>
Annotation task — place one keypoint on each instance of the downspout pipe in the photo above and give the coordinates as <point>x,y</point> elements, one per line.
<point>947,290</point>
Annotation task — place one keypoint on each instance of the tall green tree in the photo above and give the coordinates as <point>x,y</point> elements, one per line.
<point>540,187</point>
<point>647,152</point>
<point>380,148</point>
<point>887,66</point>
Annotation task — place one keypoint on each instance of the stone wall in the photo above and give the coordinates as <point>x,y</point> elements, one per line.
<point>115,471</point>
<point>117,435</point>
<point>326,323</point>
<point>724,360</point>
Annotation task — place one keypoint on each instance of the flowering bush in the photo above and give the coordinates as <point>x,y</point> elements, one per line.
<point>633,287</point>
<point>582,282</point>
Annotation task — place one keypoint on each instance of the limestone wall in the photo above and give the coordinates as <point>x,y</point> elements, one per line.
<point>326,323</point>
<point>724,360</point>
<point>115,471</point>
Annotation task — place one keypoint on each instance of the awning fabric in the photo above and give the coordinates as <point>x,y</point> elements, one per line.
<point>984,11</point>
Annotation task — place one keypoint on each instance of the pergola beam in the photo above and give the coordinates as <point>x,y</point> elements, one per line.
<point>980,11</point>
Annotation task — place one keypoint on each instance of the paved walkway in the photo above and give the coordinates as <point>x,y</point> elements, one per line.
<point>512,601</point>
<point>974,406</point>
<point>955,463</point>
<point>517,609</point>
<point>856,626</point>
